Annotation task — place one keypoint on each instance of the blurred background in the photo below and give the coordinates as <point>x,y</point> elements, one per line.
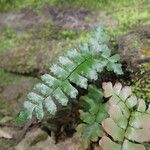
<point>34,32</point>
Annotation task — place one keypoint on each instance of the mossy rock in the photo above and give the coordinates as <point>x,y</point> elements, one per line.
<point>5,144</point>
<point>141,82</point>
<point>13,94</point>
<point>134,47</point>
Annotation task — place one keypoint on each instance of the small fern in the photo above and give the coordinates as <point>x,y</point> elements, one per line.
<point>128,125</point>
<point>77,66</point>
<point>94,113</point>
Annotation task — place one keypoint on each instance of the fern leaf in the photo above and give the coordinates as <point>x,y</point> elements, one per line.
<point>50,105</point>
<point>77,66</point>
<point>94,112</point>
<point>22,118</point>
<point>128,124</point>
<point>43,89</point>
<point>79,80</point>
<point>61,97</point>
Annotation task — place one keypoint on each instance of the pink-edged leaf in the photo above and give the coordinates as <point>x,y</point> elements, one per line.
<point>124,109</point>
<point>140,120</point>
<point>117,116</point>
<point>113,129</point>
<point>107,86</point>
<point>132,146</point>
<point>117,88</point>
<point>107,144</point>
<point>114,100</point>
<point>131,101</point>
<point>129,122</point>
<point>141,105</point>
<point>125,92</point>
<point>138,135</point>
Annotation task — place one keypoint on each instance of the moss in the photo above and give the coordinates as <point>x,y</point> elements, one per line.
<point>6,109</point>
<point>7,5</point>
<point>49,31</point>
<point>141,87</point>
<point>146,51</point>
<point>7,77</point>
<point>7,39</point>
<point>34,49</point>
<point>130,17</point>
<point>5,144</point>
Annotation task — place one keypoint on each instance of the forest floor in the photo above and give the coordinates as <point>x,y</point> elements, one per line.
<point>32,35</point>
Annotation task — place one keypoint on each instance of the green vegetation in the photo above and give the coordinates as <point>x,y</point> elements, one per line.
<point>141,86</point>
<point>7,39</point>
<point>7,77</point>
<point>10,40</point>
<point>78,66</point>
<point>122,118</point>
<point>98,114</point>
<point>121,122</point>
<point>128,122</point>
<point>7,5</point>
<point>92,114</point>
<point>130,17</point>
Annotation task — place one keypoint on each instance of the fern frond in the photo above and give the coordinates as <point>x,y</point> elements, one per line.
<point>128,124</point>
<point>77,66</point>
<point>93,114</point>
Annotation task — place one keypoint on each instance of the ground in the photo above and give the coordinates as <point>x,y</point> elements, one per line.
<point>34,32</point>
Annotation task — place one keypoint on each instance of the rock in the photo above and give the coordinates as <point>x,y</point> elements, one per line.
<point>36,140</point>
<point>6,144</point>
<point>40,140</point>
<point>6,119</point>
<point>97,148</point>
<point>6,138</point>
<point>4,134</point>
<point>32,59</point>
<point>134,47</point>
<point>12,96</point>
<point>77,19</point>
<point>74,143</point>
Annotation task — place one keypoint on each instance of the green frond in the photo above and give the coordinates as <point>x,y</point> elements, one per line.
<point>93,114</point>
<point>77,66</point>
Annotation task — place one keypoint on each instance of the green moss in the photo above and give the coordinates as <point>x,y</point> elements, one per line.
<point>5,144</point>
<point>141,87</point>
<point>7,39</point>
<point>37,44</point>
<point>7,77</point>
<point>49,31</point>
<point>7,5</point>
<point>130,17</point>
